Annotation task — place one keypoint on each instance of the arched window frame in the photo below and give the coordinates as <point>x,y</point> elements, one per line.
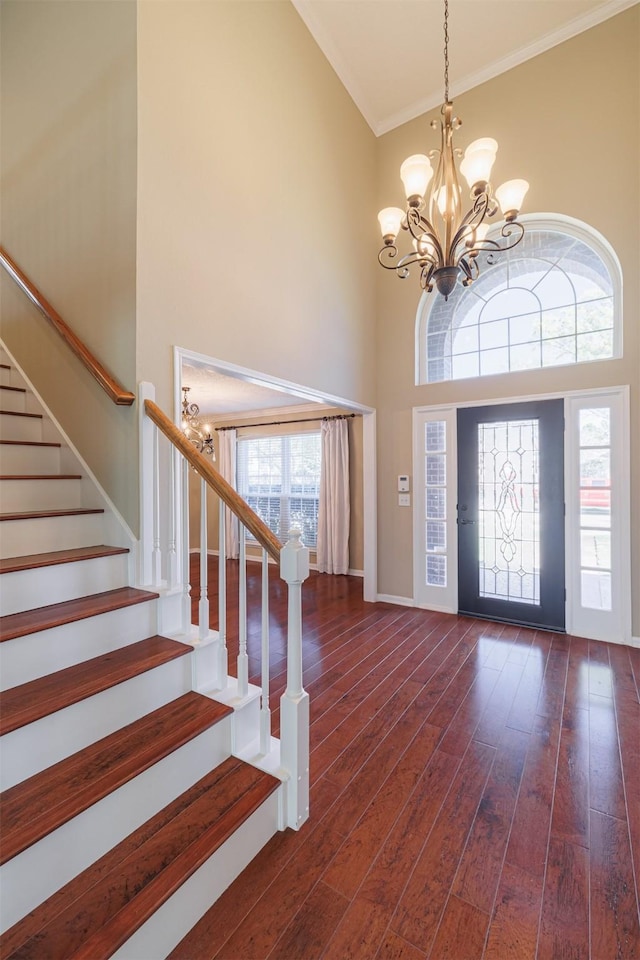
<point>552,222</point>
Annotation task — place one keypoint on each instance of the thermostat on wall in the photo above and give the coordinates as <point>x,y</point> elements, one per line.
<point>403,483</point>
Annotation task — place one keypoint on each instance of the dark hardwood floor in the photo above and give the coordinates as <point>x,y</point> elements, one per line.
<point>475,793</point>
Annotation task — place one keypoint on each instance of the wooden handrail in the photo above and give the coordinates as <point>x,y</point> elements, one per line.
<point>110,385</point>
<point>265,537</point>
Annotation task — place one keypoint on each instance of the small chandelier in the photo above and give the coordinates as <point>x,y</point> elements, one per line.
<point>198,433</point>
<point>446,242</point>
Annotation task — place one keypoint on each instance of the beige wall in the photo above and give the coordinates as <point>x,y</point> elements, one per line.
<point>255,168</point>
<point>568,122</point>
<point>68,202</point>
<point>356,524</point>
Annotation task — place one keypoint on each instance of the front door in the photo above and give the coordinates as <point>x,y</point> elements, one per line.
<point>511,513</point>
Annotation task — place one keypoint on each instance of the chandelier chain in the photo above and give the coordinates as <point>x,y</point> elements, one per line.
<point>446,51</point>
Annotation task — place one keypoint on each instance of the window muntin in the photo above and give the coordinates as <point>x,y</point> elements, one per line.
<point>549,302</point>
<point>435,474</point>
<point>595,507</point>
<point>279,477</point>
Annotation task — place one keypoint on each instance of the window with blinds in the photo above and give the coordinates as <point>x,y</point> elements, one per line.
<point>279,477</point>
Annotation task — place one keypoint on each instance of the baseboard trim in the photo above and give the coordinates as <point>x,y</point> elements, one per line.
<point>399,601</point>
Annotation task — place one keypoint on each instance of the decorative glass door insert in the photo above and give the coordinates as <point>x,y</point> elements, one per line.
<point>508,511</point>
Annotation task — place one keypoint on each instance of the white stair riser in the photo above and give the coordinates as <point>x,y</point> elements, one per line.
<point>36,873</point>
<point>37,654</point>
<point>5,376</point>
<point>22,495</point>
<point>173,920</point>
<point>19,538</point>
<point>60,582</point>
<point>20,428</point>
<point>41,744</point>
<point>12,400</point>
<point>20,459</point>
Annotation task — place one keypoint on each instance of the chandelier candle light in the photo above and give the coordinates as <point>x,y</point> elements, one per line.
<point>199,434</point>
<point>446,242</point>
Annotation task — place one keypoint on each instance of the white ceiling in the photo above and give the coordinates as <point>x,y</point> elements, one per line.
<point>389,53</point>
<point>219,395</point>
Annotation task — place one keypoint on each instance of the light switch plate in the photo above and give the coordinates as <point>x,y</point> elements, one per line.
<point>404,499</point>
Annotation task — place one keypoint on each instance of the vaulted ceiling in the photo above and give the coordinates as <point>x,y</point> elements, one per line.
<point>389,53</point>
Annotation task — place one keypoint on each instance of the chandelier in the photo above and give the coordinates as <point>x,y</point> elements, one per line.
<point>198,433</point>
<point>446,242</point>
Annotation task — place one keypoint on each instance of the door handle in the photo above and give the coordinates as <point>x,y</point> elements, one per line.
<point>464,520</point>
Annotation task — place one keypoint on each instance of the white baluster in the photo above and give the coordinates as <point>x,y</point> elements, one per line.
<point>156,562</point>
<point>243,659</point>
<point>172,554</point>
<point>146,391</point>
<point>294,703</point>
<point>186,586</point>
<point>265,712</point>
<point>203,606</point>
<point>223,664</point>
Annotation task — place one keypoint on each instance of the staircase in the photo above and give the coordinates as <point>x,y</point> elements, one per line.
<point>124,815</point>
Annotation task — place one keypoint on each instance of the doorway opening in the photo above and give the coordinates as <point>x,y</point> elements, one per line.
<point>229,395</point>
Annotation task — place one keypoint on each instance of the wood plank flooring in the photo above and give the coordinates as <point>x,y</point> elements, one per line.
<point>475,792</point>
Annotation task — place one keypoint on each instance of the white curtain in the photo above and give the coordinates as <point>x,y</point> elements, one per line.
<point>334,506</point>
<point>227,467</point>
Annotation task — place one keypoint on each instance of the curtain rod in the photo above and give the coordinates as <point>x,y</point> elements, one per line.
<point>280,423</point>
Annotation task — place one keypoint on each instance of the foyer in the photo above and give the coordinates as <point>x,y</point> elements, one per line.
<point>474,795</point>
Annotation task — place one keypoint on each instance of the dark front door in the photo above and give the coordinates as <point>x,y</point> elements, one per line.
<point>511,513</point>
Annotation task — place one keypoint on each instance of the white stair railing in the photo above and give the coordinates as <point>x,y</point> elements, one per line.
<point>164,564</point>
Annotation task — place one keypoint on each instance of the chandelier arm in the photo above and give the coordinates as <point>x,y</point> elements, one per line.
<point>468,225</point>
<point>404,263</point>
<point>417,219</point>
<point>490,246</point>
<point>470,268</point>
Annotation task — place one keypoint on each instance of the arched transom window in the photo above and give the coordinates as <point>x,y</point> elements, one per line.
<point>553,300</point>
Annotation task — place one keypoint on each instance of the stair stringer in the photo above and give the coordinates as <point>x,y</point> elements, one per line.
<point>116,530</point>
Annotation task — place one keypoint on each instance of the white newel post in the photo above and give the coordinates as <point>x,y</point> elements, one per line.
<point>294,703</point>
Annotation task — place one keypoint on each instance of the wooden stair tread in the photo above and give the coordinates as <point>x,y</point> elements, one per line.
<point>39,698</point>
<point>29,443</point>
<point>56,557</point>
<point>16,413</point>
<point>44,618</point>
<point>12,389</point>
<point>37,806</point>
<point>42,514</point>
<point>41,476</point>
<point>100,909</point>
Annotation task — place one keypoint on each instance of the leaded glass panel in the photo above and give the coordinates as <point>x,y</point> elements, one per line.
<point>508,511</point>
